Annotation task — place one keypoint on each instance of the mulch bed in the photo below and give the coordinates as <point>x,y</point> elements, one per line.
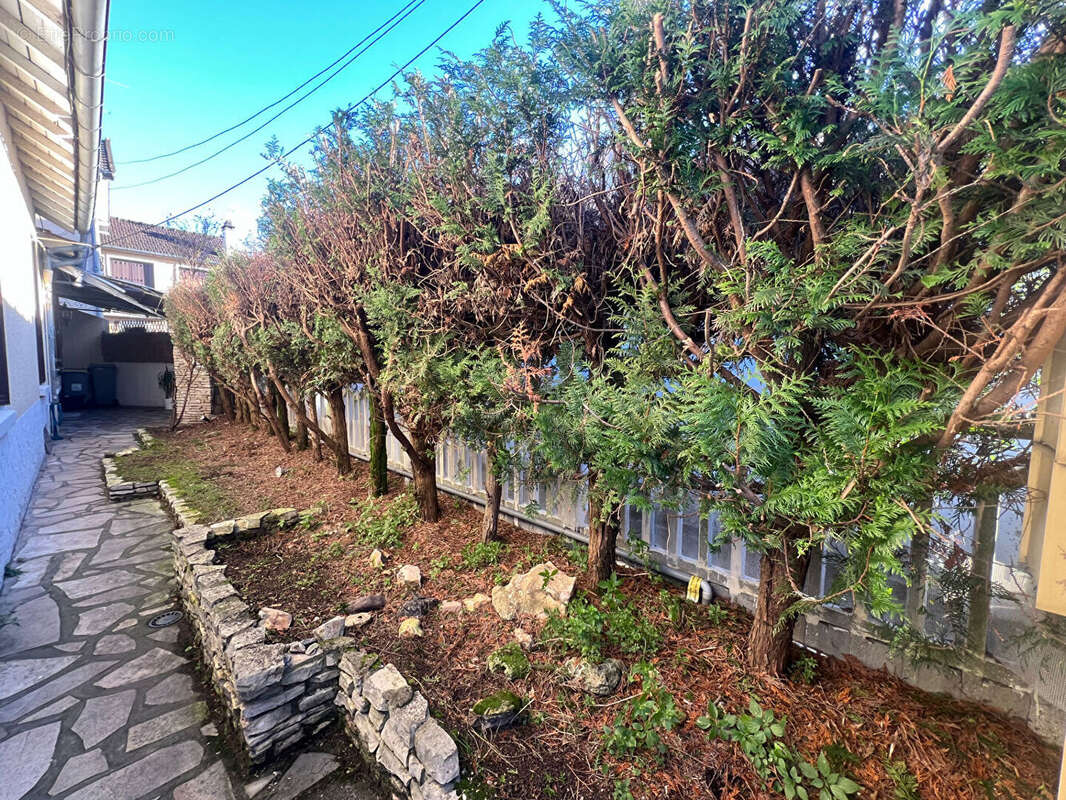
<point>952,749</point>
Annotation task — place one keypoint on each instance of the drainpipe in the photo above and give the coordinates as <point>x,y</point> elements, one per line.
<point>86,51</point>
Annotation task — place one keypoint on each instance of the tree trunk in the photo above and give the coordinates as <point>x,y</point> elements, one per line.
<point>984,550</point>
<point>271,416</point>
<point>771,630</point>
<point>424,469</point>
<point>379,457</point>
<point>339,433</point>
<point>301,426</point>
<point>490,523</point>
<point>314,419</point>
<point>281,409</point>
<point>603,535</point>
<point>226,399</point>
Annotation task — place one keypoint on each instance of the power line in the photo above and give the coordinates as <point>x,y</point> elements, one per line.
<point>311,138</point>
<point>282,99</point>
<point>291,105</point>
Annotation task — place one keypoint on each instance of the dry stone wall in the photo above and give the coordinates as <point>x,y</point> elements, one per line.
<point>391,723</point>
<point>117,487</point>
<point>276,695</point>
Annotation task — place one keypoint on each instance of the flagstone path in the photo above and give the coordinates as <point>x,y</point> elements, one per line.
<point>94,704</point>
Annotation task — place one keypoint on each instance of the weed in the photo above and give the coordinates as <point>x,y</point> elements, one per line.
<point>546,576</point>
<point>640,723</point>
<point>906,785</point>
<point>805,669</point>
<point>590,630</point>
<point>308,518</point>
<point>675,611</point>
<point>383,522</point>
<point>759,734</point>
<point>307,580</point>
<point>717,614</point>
<point>438,565</point>
<point>11,571</point>
<point>478,555</point>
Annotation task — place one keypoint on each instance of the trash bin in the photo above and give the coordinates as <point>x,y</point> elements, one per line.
<point>74,393</point>
<point>104,378</point>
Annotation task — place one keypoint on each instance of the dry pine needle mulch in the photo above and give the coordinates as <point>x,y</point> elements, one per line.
<point>951,750</point>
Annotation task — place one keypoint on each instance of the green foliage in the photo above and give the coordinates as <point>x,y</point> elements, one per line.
<point>591,630</point>
<point>905,785</point>
<point>383,522</point>
<point>478,555</point>
<point>805,669</point>
<point>717,614</point>
<point>642,720</point>
<point>509,659</point>
<point>759,734</point>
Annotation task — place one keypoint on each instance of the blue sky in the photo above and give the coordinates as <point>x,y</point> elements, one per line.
<point>179,72</point>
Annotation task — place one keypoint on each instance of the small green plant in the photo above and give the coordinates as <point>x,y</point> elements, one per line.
<point>616,623</point>
<point>640,723</point>
<point>11,571</point>
<point>438,565</point>
<point>717,614</point>
<point>478,555</point>
<point>905,784</point>
<point>383,522</point>
<point>759,734</point>
<point>805,669</point>
<point>307,580</point>
<point>309,517</point>
<point>546,576</point>
<point>672,604</point>
<point>622,790</point>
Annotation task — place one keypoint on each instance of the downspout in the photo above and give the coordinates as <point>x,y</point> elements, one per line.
<point>87,47</point>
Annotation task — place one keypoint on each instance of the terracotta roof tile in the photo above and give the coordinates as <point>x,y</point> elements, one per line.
<point>193,248</point>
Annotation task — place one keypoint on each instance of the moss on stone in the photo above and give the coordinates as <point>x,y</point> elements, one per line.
<point>510,660</point>
<point>502,702</point>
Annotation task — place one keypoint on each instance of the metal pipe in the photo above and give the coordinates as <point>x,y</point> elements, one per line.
<point>87,51</point>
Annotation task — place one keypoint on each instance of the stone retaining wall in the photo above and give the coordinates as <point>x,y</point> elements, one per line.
<point>119,488</point>
<point>276,695</point>
<point>391,723</point>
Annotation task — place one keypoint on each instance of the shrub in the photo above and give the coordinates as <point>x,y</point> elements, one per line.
<point>383,522</point>
<point>478,555</point>
<point>591,630</point>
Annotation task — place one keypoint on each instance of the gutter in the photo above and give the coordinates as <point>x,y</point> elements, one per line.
<point>86,50</point>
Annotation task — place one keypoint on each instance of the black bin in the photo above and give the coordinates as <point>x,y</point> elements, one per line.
<point>104,382</point>
<point>75,391</point>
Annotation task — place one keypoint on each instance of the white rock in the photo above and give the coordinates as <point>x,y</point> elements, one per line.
<point>409,577</point>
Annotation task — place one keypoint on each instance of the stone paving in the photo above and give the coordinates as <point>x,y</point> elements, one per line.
<point>95,704</point>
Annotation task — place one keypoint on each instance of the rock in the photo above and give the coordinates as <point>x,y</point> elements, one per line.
<point>399,730</point>
<point>409,577</point>
<point>599,679</point>
<point>280,471</point>
<point>386,689</point>
<point>297,647</point>
<point>437,752</point>
<point>377,559</point>
<point>451,607</point>
<point>274,619</point>
<point>476,602</point>
<point>417,607</point>
<point>541,590</point>
<point>510,660</point>
<point>498,711</point>
<point>330,629</point>
<point>353,621</point>
<point>369,602</point>
<point>523,637</point>
<point>410,628</point>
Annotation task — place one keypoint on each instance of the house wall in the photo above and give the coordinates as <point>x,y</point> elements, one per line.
<point>165,271</point>
<point>138,383</point>
<point>24,421</point>
<point>80,334</point>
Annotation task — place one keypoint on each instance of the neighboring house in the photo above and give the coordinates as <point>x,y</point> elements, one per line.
<point>51,101</point>
<point>151,255</point>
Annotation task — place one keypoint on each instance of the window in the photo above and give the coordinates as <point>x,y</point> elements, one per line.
<point>5,393</point>
<point>38,326</point>
<point>140,272</point>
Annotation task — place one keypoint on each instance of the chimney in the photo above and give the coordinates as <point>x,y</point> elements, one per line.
<point>227,245</point>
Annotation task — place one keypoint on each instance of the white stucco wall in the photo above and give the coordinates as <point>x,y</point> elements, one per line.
<point>23,421</point>
<point>138,384</point>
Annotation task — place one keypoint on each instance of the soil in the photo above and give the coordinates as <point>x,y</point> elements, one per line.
<point>871,724</point>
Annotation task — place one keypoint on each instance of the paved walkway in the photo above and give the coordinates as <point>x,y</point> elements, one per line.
<point>94,704</point>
